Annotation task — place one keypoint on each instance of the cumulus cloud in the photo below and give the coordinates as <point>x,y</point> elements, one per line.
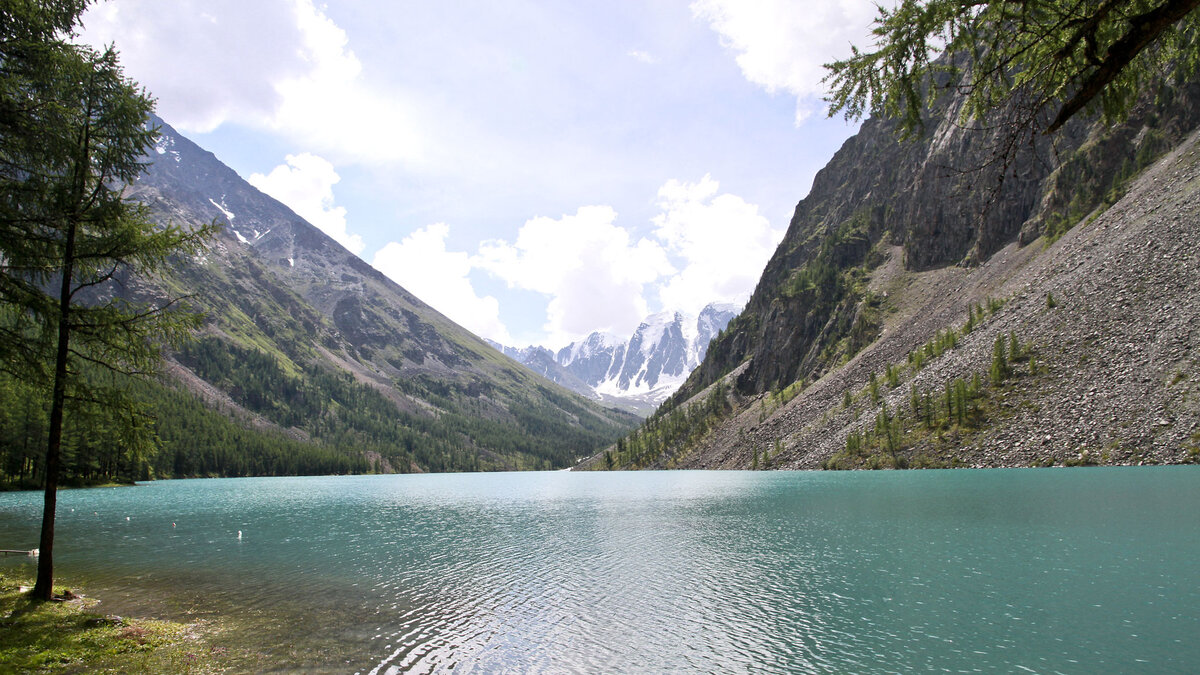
<point>592,270</point>
<point>279,65</point>
<point>305,184</point>
<point>723,240</point>
<point>782,45</point>
<point>421,264</point>
<point>706,246</point>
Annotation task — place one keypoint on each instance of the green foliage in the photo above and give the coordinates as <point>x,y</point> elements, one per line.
<point>789,392</point>
<point>75,132</point>
<point>999,369</point>
<point>978,312</point>
<point>1094,184</point>
<point>942,342</point>
<point>186,439</point>
<point>666,436</point>
<point>892,376</point>
<point>1051,303</point>
<point>958,406</point>
<point>340,413</point>
<point>1038,63</point>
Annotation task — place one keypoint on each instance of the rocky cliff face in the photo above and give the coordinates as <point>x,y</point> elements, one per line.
<point>944,201</point>
<point>273,284</point>
<point>892,248</point>
<point>636,374</point>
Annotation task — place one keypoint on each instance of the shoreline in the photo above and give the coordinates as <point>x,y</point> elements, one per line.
<point>66,635</point>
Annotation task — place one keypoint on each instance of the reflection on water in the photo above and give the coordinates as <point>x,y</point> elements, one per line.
<point>1069,571</point>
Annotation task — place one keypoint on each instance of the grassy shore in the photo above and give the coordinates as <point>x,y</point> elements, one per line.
<point>64,636</point>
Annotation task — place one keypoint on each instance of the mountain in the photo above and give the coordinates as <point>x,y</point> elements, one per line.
<point>636,374</point>
<point>304,340</point>
<point>946,302</point>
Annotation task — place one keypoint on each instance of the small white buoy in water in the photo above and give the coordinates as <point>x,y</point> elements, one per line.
<point>239,534</point>
<point>126,518</point>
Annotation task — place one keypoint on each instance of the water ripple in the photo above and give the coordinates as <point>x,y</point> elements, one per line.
<point>678,572</point>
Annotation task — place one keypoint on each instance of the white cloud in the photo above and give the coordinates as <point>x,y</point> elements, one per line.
<point>277,65</point>
<point>593,273</point>
<point>205,60</point>
<point>591,269</point>
<point>783,44</point>
<point>305,184</point>
<point>598,278</point>
<point>644,57</point>
<point>723,240</point>
<point>421,264</point>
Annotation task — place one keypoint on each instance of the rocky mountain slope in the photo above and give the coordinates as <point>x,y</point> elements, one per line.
<point>302,337</point>
<point>881,331</point>
<point>635,374</point>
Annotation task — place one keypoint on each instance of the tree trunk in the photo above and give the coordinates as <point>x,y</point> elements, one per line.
<point>44,588</point>
<point>1143,30</point>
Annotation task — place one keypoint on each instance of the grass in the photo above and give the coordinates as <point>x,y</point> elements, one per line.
<point>65,637</point>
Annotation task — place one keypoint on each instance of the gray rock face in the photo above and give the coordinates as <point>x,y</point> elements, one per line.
<point>945,202</point>
<point>1116,353</point>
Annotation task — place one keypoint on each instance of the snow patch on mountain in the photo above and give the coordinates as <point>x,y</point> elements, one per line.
<point>221,207</point>
<point>164,145</point>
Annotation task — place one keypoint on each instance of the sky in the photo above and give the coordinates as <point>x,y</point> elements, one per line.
<point>536,170</point>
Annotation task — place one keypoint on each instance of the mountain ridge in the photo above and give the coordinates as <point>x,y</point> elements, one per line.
<point>320,323</point>
<point>637,373</point>
<point>869,311</point>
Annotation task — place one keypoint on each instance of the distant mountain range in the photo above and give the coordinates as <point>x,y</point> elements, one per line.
<point>636,373</point>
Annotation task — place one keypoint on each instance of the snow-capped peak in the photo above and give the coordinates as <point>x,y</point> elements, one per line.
<point>654,327</point>
<point>641,371</point>
<point>588,347</point>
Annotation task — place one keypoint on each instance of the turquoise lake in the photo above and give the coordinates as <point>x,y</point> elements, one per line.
<point>1045,571</point>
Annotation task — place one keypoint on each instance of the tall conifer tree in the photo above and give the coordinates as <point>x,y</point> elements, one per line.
<point>76,132</point>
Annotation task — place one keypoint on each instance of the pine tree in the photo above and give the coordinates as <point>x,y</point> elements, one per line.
<point>999,370</point>
<point>78,135</point>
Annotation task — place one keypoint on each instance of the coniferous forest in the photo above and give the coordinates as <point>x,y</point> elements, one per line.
<point>316,423</point>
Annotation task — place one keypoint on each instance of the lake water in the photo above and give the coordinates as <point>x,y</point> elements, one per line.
<point>1070,571</point>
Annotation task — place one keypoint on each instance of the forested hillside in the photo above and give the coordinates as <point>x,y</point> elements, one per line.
<point>308,362</point>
